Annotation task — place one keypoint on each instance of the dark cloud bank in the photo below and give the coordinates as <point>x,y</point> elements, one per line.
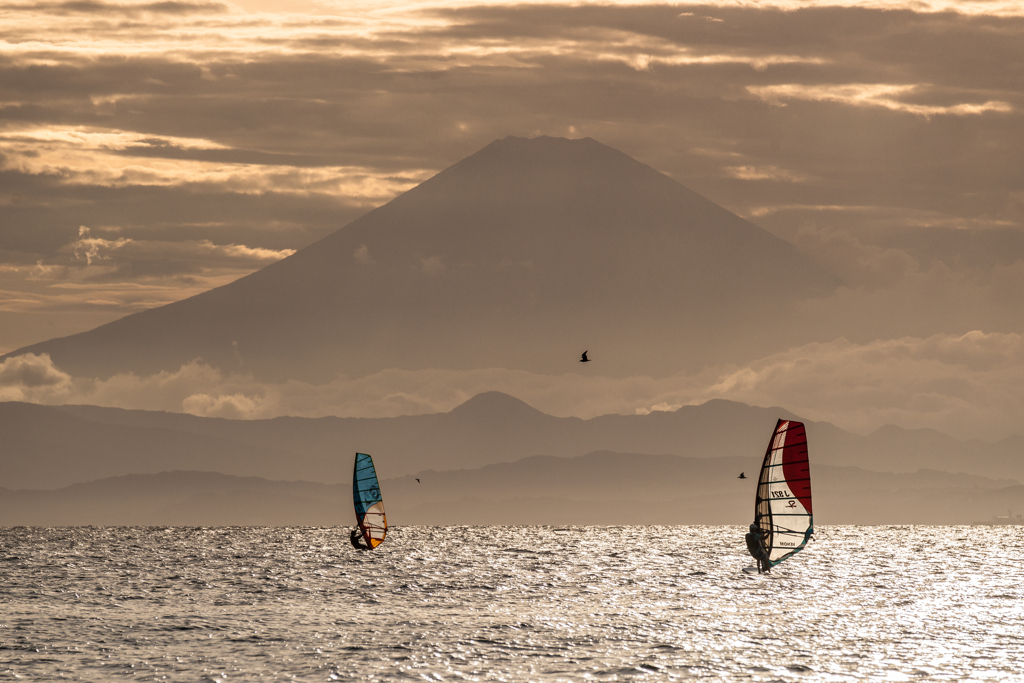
<point>681,88</point>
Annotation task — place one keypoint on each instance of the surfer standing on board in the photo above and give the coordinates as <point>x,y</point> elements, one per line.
<point>356,538</point>
<point>755,544</point>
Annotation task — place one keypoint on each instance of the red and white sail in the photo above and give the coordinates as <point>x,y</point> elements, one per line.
<point>783,504</point>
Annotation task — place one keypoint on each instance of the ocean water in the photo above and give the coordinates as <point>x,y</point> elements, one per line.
<point>509,604</point>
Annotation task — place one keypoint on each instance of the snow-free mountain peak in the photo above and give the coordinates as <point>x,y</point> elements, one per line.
<point>517,256</point>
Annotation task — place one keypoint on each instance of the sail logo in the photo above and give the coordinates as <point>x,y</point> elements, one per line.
<point>792,504</point>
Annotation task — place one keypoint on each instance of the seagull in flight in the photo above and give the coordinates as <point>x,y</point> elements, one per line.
<point>417,481</point>
<point>584,359</point>
<point>742,476</point>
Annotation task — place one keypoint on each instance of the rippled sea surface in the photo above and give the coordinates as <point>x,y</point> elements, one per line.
<point>509,604</point>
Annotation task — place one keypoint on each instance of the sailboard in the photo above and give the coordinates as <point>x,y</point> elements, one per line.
<point>368,502</point>
<point>782,506</point>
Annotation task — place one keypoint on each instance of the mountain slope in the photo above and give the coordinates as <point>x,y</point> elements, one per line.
<point>519,256</point>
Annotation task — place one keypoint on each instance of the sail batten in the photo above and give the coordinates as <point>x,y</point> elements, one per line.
<point>782,506</point>
<point>369,504</point>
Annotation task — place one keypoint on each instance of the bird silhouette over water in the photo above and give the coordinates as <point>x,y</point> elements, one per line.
<point>742,476</point>
<point>584,359</point>
<point>417,481</point>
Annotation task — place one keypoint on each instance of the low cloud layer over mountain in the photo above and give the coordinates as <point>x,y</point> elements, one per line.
<point>968,386</point>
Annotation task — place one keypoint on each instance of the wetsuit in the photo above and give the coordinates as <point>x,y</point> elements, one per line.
<point>755,545</point>
<point>356,539</point>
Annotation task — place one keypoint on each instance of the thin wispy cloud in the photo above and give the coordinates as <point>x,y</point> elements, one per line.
<point>970,7</point>
<point>113,158</point>
<point>98,251</point>
<point>764,173</point>
<point>874,95</point>
<point>102,271</point>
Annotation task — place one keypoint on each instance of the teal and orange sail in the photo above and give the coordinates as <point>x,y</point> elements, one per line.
<point>368,501</point>
<point>782,507</point>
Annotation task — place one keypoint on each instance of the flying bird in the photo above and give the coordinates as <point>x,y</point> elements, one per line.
<point>417,481</point>
<point>742,476</point>
<point>584,359</point>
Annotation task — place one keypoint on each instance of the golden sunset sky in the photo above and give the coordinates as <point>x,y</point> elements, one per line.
<point>150,151</point>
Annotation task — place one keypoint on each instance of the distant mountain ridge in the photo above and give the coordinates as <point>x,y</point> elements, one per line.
<point>518,256</point>
<point>605,487</point>
<point>52,446</point>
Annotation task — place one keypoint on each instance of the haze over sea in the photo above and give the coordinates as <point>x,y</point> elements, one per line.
<point>508,604</point>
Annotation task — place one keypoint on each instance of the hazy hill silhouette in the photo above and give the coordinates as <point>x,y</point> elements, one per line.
<point>518,256</point>
<point>53,446</point>
<point>45,447</point>
<point>596,488</point>
<point>605,487</point>
<point>488,428</point>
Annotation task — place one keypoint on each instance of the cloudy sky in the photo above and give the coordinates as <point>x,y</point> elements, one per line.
<point>153,150</point>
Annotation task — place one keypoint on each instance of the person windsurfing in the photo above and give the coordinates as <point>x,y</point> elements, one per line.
<point>357,540</point>
<point>755,544</point>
